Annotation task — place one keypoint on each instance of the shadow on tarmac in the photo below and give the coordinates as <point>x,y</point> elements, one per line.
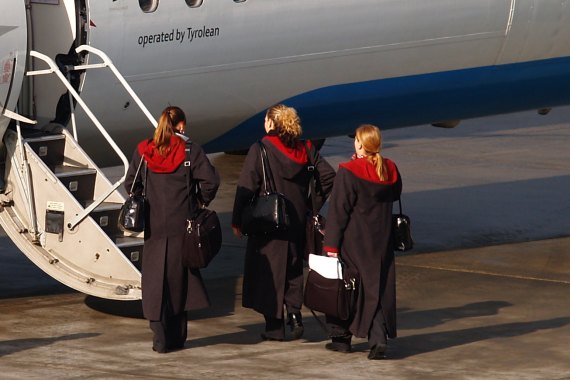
<point>13,346</point>
<point>408,346</point>
<point>423,319</point>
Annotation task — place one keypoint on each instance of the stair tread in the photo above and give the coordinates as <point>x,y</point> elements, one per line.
<point>128,241</point>
<point>42,137</point>
<point>66,170</point>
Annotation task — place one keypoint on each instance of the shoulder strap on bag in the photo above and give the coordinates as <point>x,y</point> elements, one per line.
<point>311,168</point>
<point>268,182</point>
<point>400,212</point>
<point>190,188</point>
<point>144,175</point>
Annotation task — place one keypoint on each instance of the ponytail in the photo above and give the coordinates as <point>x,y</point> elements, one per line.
<point>168,120</point>
<point>371,139</point>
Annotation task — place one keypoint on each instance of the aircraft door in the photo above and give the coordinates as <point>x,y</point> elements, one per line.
<point>53,32</point>
<point>13,50</point>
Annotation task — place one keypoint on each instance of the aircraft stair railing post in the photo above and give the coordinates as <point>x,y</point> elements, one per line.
<point>72,116</point>
<point>54,69</point>
<point>26,177</point>
<point>108,63</point>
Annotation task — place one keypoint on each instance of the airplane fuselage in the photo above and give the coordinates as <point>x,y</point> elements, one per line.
<point>393,63</point>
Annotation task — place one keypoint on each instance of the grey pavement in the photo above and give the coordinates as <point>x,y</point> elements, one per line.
<point>484,294</point>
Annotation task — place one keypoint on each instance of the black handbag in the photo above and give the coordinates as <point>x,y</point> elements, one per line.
<point>315,224</point>
<point>402,231</point>
<point>132,214</point>
<point>334,297</point>
<point>267,212</point>
<point>203,237</point>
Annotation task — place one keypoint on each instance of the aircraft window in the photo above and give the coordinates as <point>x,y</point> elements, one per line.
<point>148,6</point>
<point>194,3</point>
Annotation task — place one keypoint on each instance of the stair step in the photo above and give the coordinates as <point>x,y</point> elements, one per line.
<point>132,248</point>
<point>79,181</point>
<point>106,215</point>
<point>50,148</point>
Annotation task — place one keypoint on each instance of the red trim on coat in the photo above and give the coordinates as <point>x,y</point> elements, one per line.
<point>363,169</point>
<point>297,154</point>
<point>327,248</point>
<point>163,164</point>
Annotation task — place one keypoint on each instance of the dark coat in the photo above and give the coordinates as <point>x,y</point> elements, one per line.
<point>168,204</point>
<point>275,262</point>
<point>359,226</point>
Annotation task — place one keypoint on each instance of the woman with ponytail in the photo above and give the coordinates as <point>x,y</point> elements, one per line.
<point>273,271</point>
<point>359,230</point>
<point>168,288</point>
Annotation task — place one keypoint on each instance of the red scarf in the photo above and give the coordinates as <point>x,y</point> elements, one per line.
<point>163,164</point>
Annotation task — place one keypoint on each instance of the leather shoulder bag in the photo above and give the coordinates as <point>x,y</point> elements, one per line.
<point>203,237</point>
<point>402,230</point>
<point>336,294</point>
<point>132,214</point>
<point>267,212</point>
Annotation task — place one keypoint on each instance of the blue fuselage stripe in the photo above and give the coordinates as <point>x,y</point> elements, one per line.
<point>418,99</point>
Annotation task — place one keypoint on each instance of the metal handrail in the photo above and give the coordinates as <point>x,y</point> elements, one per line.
<point>108,63</point>
<point>54,69</point>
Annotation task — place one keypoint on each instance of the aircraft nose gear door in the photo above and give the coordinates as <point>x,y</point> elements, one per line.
<point>13,45</point>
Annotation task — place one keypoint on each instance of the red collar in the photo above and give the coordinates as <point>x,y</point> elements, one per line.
<point>363,169</point>
<point>297,154</point>
<point>163,164</point>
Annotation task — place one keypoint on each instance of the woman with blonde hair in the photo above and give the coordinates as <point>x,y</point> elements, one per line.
<point>168,288</point>
<point>359,230</point>
<point>273,271</point>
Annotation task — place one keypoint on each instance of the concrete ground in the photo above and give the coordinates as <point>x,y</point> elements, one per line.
<point>484,294</point>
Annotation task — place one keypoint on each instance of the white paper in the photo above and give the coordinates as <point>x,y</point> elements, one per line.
<point>328,267</point>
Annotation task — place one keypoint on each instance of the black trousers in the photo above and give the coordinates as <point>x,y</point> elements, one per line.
<point>376,335</point>
<point>171,331</point>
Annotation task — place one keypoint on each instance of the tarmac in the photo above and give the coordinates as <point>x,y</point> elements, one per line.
<point>485,293</point>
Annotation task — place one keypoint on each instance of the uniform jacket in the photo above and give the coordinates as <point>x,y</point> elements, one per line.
<point>274,260</point>
<point>168,205</point>
<point>359,227</point>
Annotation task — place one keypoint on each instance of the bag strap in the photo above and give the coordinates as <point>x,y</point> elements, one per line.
<point>321,323</point>
<point>137,175</point>
<point>268,182</point>
<point>400,206</point>
<point>311,168</point>
<point>187,163</point>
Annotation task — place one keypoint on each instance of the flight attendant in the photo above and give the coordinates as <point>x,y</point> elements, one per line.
<point>168,288</point>
<point>359,229</point>
<point>273,272</point>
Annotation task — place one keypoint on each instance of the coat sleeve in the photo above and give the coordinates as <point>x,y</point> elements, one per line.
<point>249,183</point>
<point>341,205</point>
<point>131,172</point>
<point>204,174</point>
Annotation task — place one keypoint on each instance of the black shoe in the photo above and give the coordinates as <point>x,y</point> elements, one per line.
<point>160,350</point>
<point>270,338</point>
<point>296,324</point>
<point>377,352</point>
<point>339,347</point>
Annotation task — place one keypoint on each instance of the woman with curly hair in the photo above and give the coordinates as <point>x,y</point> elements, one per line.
<point>273,272</point>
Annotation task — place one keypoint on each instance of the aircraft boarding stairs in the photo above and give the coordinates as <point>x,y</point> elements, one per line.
<point>61,211</point>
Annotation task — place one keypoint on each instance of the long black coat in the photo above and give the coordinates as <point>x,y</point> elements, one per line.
<point>275,262</point>
<point>168,205</point>
<point>359,226</point>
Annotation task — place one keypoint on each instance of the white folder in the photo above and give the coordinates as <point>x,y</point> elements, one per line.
<point>328,267</point>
